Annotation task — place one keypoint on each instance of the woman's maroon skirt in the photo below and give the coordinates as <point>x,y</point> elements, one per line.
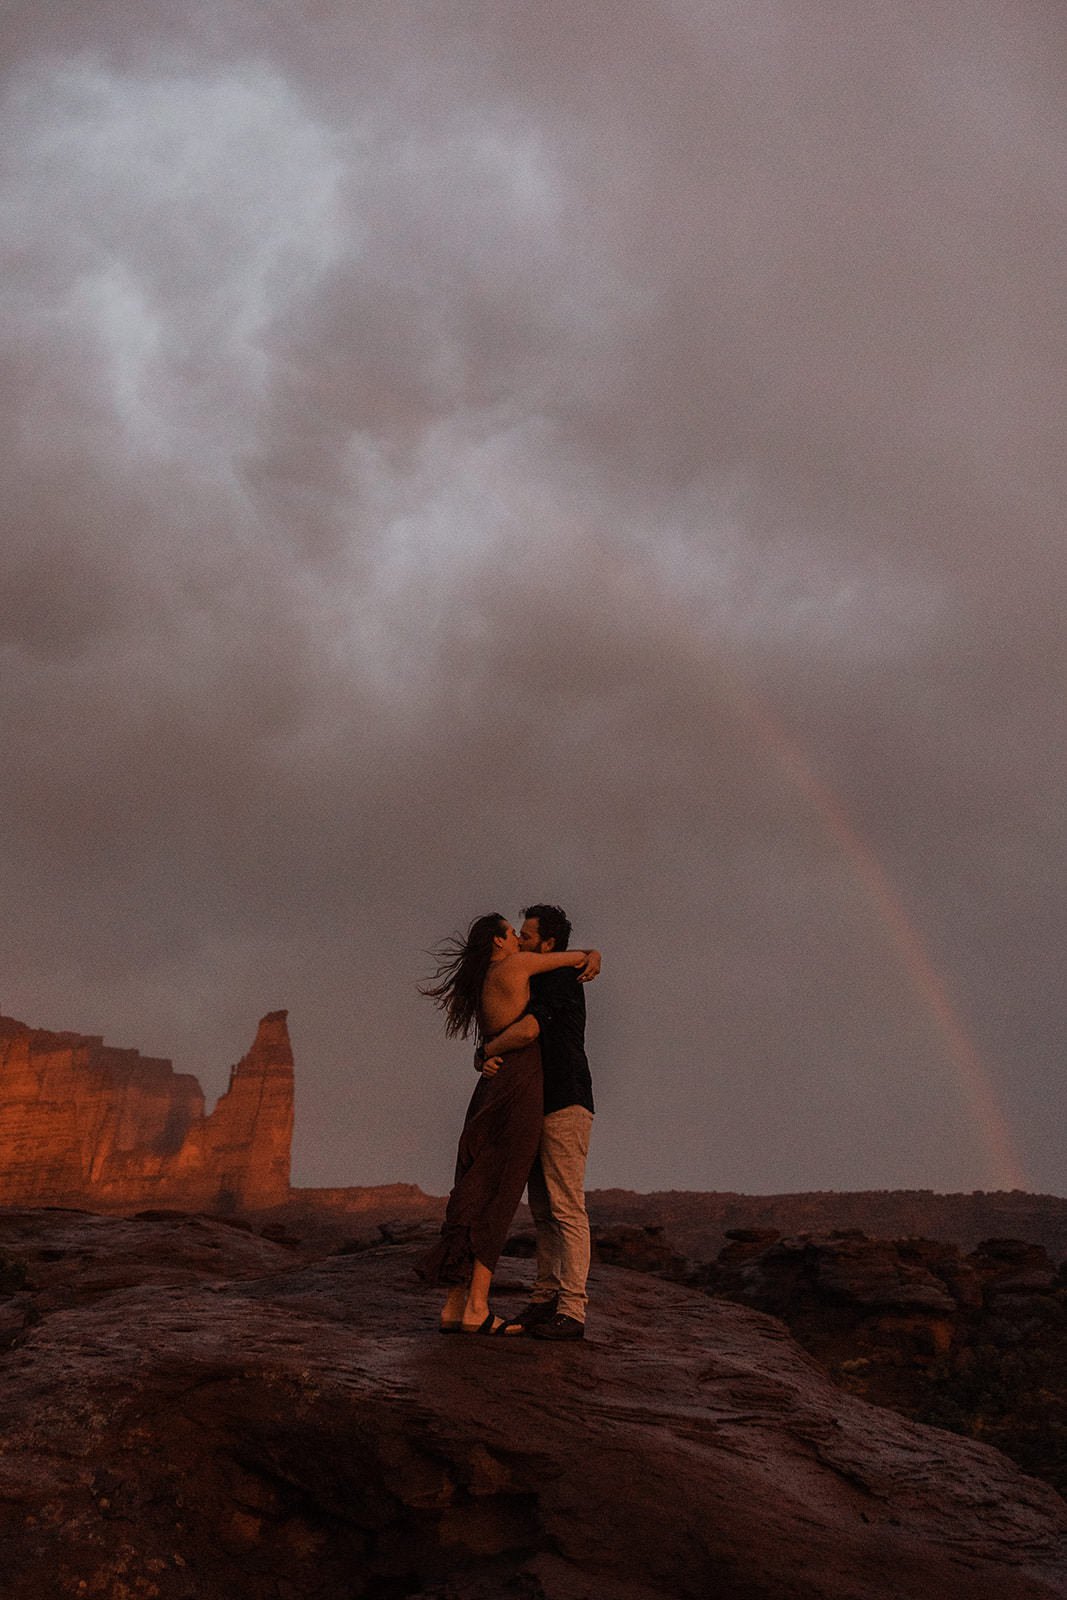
<point>496,1151</point>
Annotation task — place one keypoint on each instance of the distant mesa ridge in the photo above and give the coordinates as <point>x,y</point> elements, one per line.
<point>87,1125</point>
<point>83,1123</point>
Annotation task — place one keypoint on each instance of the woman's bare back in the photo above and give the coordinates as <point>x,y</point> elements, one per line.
<point>506,990</point>
<point>505,994</point>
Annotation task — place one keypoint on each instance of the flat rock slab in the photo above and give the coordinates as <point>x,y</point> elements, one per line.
<point>240,1423</point>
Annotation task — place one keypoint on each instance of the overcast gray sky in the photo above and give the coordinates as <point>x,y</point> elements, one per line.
<point>477,451</point>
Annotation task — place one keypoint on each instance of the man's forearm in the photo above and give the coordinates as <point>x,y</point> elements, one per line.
<point>519,1033</point>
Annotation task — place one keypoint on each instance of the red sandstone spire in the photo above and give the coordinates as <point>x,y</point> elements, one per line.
<point>248,1135</point>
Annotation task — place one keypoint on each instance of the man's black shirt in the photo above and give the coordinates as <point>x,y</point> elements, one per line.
<point>557,1000</point>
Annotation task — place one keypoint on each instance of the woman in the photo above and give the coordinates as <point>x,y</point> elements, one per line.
<point>486,979</point>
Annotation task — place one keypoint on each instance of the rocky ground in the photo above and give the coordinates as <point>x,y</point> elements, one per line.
<point>971,1341</point>
<point>195,1410</point>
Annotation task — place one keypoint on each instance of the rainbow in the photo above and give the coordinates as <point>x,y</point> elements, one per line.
<point>1006,1166</point>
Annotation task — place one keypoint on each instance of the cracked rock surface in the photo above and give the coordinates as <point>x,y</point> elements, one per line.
<point>196,1411</point>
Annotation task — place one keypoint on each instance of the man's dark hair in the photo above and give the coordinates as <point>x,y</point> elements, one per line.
<point>552,923</point>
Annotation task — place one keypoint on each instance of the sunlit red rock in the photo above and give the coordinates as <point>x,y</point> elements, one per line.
<point>83,1123</point>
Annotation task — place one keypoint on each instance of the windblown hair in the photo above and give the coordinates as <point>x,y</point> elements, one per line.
<point>552,923</point>
<point>456,986</point>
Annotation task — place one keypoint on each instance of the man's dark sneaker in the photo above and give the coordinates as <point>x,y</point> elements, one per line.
<point>560,1327</point>
<point>530,1316</point>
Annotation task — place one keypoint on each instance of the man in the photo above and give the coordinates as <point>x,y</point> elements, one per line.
<point>556,1189</point>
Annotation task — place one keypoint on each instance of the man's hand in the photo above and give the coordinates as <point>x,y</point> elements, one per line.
<point>488,1066</point>
<point>591,969</point>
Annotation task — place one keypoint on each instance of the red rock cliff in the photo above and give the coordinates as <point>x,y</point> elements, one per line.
<point>82,1123</point>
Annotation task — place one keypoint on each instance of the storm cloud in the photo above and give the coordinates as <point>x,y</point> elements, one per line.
<point>471,453</point>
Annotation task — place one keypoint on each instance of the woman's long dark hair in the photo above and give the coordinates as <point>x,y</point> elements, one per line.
<point>456,987</point>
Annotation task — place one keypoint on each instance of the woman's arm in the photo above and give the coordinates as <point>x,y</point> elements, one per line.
<point>529,963</point>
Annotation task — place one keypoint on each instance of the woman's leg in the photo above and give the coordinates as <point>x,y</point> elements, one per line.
<point>477,1307</point>
<point>452,1310</point>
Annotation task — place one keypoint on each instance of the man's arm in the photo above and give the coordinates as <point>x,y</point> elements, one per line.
<point>523,1031</point>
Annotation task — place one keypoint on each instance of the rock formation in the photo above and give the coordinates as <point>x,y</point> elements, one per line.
<point>194,1411</point>
<point>698,1223</point>
<point>82,1123</point>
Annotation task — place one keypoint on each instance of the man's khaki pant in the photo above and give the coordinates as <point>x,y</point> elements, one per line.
<point>557,1201</point>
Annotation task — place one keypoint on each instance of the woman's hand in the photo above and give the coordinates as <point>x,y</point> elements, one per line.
<point>591,969</point>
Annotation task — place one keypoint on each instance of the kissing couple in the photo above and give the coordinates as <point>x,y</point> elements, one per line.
<point>528,1123</point>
